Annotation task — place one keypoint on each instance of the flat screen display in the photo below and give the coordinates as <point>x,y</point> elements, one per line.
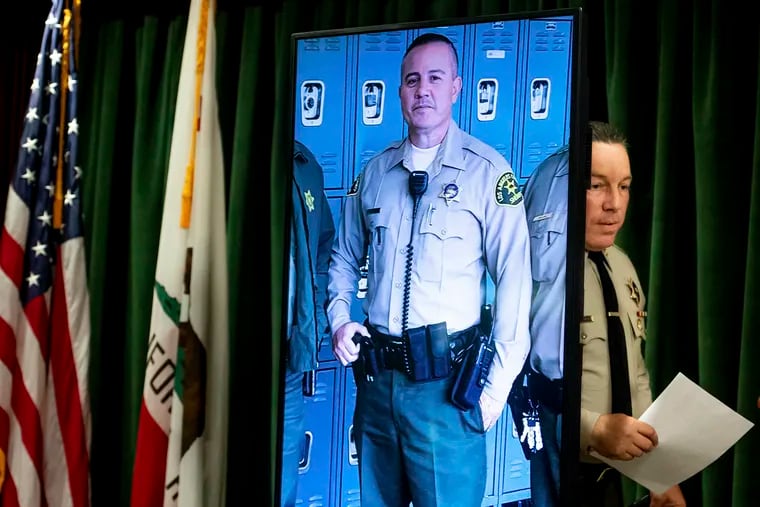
<point>522,93</point>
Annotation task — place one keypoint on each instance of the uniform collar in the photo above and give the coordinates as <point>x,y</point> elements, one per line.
<point>604,252</point>
<point>450,153</point>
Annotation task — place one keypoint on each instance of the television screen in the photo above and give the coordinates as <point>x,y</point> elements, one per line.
<point>516,99</point>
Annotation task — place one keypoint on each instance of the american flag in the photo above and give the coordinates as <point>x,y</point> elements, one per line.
<point>44,302</point>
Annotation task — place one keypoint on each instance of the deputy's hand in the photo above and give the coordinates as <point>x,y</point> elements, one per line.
<point>673,497</point>
<point>620,436</point>
<point>344,348</point>
<point>490,409</point>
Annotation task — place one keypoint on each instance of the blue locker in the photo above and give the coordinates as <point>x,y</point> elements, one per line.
<point>456,35</point>
<point>493,95</point>
<point>515,469</point>
<point>349,458</point>
<point>315,487</point>
<point>320,103</point>
<point>335,198</point>
<point>493,444</point>
<point>335,201</point>
<point>377,118</point>
<point>546,98</point>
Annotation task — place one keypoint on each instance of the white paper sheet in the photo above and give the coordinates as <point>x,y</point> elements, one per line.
<point>693,429</point>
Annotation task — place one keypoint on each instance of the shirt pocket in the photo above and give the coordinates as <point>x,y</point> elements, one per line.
<point>442,233</point>
<point>380,241</point>
<point>547,245</point>
<point>638,326</point>
<point>595,357</point>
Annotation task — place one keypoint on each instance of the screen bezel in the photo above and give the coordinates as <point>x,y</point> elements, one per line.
<point>579,152</point>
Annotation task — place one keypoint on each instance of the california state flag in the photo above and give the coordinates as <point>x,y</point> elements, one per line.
<point>182,437</point>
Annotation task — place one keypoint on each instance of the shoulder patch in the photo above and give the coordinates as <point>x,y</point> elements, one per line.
<point>354,186</point>
<point>507,191</point>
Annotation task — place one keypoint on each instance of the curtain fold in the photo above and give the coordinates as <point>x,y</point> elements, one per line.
<point>128,83</point>
<point>106,259</point>
<point>247,109</point>
<point>664,72</point>
<point>672,256</point>
<point>748,393</point>
<point>723,140</point>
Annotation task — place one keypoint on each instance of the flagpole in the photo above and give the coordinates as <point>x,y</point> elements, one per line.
<point>58,202</point>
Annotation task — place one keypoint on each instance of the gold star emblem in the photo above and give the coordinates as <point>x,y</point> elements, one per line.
<point>633,291</point>
<point>309,200</point>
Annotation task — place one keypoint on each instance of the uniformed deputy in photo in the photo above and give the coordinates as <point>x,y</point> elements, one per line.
<point>436,213</point>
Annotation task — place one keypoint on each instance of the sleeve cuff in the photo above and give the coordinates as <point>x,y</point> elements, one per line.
<point>588,420</point>
<point>339,313</point>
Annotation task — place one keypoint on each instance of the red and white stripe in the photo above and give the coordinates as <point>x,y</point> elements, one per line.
<point>44,355</point>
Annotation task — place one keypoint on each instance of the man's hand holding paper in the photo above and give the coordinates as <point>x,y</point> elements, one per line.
<point>682,415</point>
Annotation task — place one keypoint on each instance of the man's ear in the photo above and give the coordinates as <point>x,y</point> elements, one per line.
<point>456,87</point>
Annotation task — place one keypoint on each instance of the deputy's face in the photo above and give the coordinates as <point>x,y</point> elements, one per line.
<point>429,87</point>
<point>607,198</point>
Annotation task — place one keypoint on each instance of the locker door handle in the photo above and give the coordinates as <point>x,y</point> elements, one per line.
<point>353,456</point>
<point>305,461</point>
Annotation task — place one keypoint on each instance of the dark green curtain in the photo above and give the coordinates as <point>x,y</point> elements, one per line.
<point>692,230</point>
<point>680,78</point>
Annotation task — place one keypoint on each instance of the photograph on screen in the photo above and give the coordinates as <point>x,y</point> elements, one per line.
<point>498,198</point>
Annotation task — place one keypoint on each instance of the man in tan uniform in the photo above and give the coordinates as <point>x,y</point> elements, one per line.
<point>613,433</point>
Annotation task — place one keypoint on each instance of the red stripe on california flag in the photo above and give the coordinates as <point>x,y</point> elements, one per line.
<point>150,461</point>
<point>11,258</point>
<point>66,385</point>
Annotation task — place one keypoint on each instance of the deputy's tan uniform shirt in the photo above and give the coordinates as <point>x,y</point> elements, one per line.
<point>596,388</point>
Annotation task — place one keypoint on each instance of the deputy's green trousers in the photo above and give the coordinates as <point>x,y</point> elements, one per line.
<point>415,446</point>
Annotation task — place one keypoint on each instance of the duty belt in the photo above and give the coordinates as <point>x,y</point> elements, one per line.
<point>390,352</point>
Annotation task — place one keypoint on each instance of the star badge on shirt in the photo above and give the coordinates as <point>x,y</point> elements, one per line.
<point>309,200</point>
<point>450,193</point>
<point>633,291</point>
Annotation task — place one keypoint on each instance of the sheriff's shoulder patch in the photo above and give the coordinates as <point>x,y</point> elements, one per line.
<point>507,191</point>
<point>354,186</point>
